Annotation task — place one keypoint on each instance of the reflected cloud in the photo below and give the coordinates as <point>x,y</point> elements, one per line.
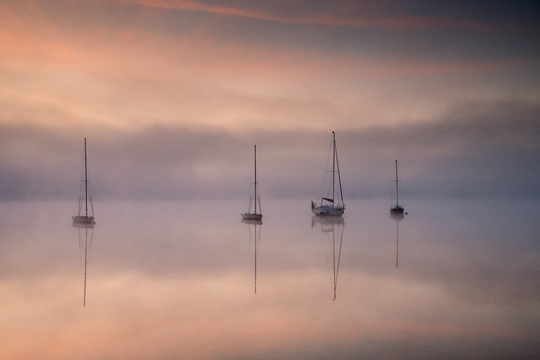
<point>166,274</point>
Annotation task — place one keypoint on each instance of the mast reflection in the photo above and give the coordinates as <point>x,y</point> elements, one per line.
<point>87,228</point>
<point>332,225</point>
<point>253,235</point>
<point>398,217</point>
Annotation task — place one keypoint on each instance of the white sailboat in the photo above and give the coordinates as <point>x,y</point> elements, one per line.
<point>333,204</point>
<point>396,208</point>
<point>254,215</point>
<point>85,218</point>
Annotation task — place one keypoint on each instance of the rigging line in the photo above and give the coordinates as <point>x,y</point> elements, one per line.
<point>339,178</point>
<point>325,185</point>
<point>255,191</point>
<point>81,197</point>
<point>85,180</point>
<point>333,165</point>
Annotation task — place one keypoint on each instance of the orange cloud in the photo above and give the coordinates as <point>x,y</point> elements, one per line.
<point>131,75</point>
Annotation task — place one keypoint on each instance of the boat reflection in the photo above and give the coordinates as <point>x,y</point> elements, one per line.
<point>87,228</point>
<point>335,226</point>
<point>398,217</point>
<point>254,234</point>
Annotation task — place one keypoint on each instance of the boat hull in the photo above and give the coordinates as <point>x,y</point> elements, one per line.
<point>328,210</point>
<point>81,219</point>
<point>251,216</point>
<point>396,209</point>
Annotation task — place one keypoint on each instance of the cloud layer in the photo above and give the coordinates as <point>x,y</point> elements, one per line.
<point>173,94</point>
<point>475,150</point>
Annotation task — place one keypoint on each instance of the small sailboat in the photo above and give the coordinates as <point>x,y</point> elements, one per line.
<point>396,208</point>
<point>254,215</point>
<point>333,204</point>
<point>86,218</point>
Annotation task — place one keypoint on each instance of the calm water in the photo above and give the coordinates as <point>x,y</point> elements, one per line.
<point>180,280</point>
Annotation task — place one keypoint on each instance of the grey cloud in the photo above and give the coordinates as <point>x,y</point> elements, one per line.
<point>475,150</point>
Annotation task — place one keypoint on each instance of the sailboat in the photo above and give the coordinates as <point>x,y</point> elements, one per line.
<point>86,218</point>
<point>396,208</point>
<point>254,215</point>
<point>332,205</point>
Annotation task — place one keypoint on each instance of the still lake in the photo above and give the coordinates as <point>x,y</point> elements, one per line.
<point>187,279</point>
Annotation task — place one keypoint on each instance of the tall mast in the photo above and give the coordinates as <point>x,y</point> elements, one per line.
<point>333,167</point>
<point>85,181</point>
<point>397,193</point>
<point>255,195</point>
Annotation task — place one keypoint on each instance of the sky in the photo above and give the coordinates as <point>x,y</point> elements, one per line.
<point>172,95</point>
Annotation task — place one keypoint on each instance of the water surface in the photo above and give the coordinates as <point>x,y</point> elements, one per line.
<point>180,280</point>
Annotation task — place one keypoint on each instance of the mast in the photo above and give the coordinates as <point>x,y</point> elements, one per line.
<point>397,193</point>
<point>255,195</point>
<point>85,181</point>
<point>333,167</point>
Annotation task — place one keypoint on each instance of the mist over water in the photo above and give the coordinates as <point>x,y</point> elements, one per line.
<point>484,156</point>
<point>186,279</point>
<point>171,97</point>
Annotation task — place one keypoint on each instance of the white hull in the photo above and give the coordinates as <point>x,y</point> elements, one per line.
<point>81,219</point>
<point>251,216</point>
<point>328,210</point>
